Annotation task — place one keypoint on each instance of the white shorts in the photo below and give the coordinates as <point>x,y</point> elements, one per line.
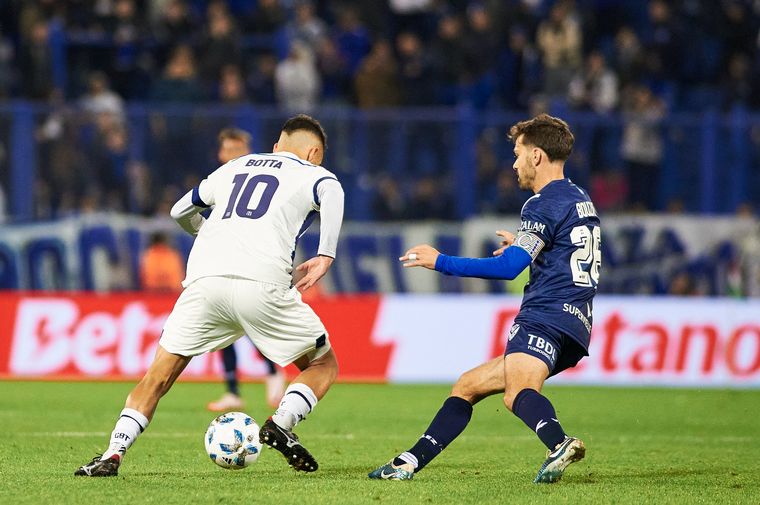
<point>213,312</point>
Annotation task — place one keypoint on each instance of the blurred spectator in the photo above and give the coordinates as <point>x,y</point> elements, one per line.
<point>738,29</point>
<point>429,200</point>
<point>414,68</point>
<point>352,38</point>
<point>480,46</point>
<point>559,40</point>
<point>376,81</point>
<point>507,197</point>
<point>140,198</point>
<point>683,284</point>
<point>3,213</point>
<point>179,81</point>
<point>172,132</point>
<point>389,203</point>
<point>268,17</point>
<point>36,61</point>
<point>487,164</point>
<point>596,87</point>
<point>448,58</point>
<point>296,80</point>
<point>497,190</point>
<point>738,86</point>
<point>662,39</point>
<point>411,14</point>
<point>336,79</point>
<point>642,147</point>
<point>260,81</point>
<point>749,260</point>
<point>100,99</point>
<point>7,69</point>
<point>110,159</point>
<point>124,25</point>
<point>161,266</point>
<point>628,56</point>
<point>232,85</point>
<point>63,175</point>
<point>306,26</point>
<point>518,71</point>
<point>220,46</point>
<point>176,24</point>
<point>609,190</point>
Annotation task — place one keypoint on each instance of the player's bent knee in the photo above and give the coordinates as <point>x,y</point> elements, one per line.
<point>465,387</point>
<point>509,399</point>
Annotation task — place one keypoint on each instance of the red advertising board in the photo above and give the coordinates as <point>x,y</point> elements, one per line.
<point>397,338</point>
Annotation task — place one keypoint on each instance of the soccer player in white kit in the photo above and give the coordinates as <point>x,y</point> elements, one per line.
<point>239,282</point>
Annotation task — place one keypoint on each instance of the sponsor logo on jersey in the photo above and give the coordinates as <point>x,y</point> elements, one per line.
<point>575,311</point>
<point>513,331</point>
<point>543,347</point>
<point>533,226</point>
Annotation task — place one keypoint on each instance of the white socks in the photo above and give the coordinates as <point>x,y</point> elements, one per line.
<point>297,402</point>
<point>129,426</point>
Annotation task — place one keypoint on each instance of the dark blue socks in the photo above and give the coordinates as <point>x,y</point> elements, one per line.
<point>229,359</point>
<point>537,412</point>
<point>448,423</point>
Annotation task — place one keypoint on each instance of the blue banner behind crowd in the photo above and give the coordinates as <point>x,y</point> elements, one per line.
<point>641,254</point>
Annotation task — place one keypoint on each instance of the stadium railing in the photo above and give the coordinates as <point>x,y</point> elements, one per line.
<point>706,167</point>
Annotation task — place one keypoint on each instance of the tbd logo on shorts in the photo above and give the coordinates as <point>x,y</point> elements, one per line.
<point>542,346</point>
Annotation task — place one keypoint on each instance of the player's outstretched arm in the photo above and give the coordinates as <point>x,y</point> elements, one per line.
<point>507,264</point>
<point>186,213</point>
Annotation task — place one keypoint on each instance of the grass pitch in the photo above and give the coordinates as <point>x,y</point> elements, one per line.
<point>644,446</point>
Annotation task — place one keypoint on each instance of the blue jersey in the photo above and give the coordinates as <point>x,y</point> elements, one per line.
<point>561,230</point>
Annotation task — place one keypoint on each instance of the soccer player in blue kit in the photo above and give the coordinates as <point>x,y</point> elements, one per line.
<point>559,238</point>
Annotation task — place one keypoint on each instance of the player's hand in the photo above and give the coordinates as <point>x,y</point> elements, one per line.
<point>314,269</point>
<point>507,239</point>
<point>420,256</point>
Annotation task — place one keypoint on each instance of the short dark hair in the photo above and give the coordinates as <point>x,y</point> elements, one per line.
<point>306,123</point>
<point>235,134</point>
<point>546,132</point>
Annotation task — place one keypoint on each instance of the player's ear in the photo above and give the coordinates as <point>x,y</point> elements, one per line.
<point>274,149</point>
<point>537,153</point>
<point>314,155</point>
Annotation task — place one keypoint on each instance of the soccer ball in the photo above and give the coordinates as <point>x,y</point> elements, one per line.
<point>232,440</point>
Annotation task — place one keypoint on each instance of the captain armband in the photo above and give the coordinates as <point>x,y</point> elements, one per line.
<point>530,243</point>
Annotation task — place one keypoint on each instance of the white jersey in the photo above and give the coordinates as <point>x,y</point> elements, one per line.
<point>262,204</point>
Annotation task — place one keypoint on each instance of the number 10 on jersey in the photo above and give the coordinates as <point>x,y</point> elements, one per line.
<point>242,208</point>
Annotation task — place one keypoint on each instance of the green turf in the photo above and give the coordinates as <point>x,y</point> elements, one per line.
<point>644,446</point>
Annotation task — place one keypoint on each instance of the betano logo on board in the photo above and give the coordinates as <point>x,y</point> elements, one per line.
<point>381,338</point>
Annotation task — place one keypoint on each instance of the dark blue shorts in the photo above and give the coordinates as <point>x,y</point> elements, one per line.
<point>557,350</point>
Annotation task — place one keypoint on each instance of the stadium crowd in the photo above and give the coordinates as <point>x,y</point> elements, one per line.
<point>89,60</point>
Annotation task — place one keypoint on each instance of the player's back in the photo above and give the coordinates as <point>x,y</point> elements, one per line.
<point>262,204</point>
<point>565,274</point>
